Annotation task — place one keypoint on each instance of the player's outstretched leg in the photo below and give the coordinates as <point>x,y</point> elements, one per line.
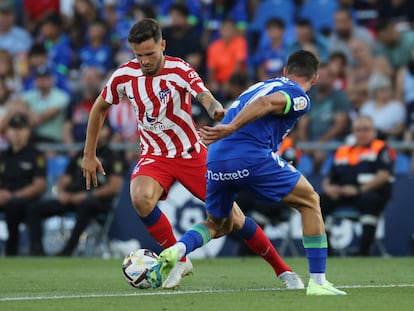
<point>160,271</point>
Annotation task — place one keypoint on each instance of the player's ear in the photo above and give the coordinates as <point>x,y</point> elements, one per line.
<point>163,45</point>
<point>315,78</point>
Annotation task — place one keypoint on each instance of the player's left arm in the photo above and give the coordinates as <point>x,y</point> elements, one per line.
<point>212,105</point>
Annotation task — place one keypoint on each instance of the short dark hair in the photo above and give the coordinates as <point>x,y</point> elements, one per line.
<point>302,63</point>
<point>148,28</point>
<point>275,22</point>
<point>180,8</point>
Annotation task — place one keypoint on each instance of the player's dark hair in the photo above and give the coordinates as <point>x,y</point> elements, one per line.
<point>302,63</point>
<point>146,29</point>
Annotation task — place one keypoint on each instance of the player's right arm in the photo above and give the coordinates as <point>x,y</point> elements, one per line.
<point>90,162</point>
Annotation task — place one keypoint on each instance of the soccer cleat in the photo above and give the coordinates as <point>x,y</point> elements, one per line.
<point>180,270</point>
<point>158,273</point>
<point>291,280</point>
<point>326,289</point>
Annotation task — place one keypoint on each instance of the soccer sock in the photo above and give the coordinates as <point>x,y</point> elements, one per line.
<point>159,227</point>
<point>316,248</point>
<point>195,237</point>
<point>258,242</point>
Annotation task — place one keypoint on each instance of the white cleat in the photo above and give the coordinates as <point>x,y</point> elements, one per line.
<point>180,270</point>
<point>291,280</point>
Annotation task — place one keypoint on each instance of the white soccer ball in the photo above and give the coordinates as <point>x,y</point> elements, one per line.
<point>136,265</point>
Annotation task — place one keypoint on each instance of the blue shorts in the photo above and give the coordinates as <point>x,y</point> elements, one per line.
<point>269,179</point>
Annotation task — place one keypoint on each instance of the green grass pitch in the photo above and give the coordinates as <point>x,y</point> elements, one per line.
<point>217,284</point>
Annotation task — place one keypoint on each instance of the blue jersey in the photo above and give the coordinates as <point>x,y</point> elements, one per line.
<point>259,138</point>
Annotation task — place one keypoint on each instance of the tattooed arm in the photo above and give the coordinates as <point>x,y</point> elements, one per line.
<point>212,105</point>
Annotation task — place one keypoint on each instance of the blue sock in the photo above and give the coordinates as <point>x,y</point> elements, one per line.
<point>152,217</point>
<point>316,248</point>
<point>195,237</point>
<point>248,230</point>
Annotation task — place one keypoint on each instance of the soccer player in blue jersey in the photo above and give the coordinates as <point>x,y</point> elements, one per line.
<point>241,156</point>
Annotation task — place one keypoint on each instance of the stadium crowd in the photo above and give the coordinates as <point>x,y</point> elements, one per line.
<point>56,55</point>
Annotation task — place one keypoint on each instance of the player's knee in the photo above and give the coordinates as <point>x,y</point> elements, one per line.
<point>143,202</point>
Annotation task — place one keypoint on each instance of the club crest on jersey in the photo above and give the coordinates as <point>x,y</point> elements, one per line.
<point>164,96</point>
<point>299,103</point>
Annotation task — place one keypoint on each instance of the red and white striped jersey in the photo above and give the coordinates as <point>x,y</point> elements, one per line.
<point>162,105</point>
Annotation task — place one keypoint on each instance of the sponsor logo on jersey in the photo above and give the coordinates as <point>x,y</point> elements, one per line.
<point>239,174</point>
<point>299,103</point>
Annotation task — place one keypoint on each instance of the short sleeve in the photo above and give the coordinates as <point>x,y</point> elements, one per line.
<point>297,102</point>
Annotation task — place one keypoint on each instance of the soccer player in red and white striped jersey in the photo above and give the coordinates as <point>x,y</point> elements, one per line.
<point>161,88</point>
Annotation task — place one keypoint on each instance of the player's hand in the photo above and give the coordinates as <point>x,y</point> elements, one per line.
<point>211,134</point>
<point>219,113</point>
<point>89,166</point>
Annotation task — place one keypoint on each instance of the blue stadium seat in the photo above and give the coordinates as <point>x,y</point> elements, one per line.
<point>305,165</point>
<point>55,167</point>
<point>267,9</point>
<point>402,164</point>
<point>320,13</point>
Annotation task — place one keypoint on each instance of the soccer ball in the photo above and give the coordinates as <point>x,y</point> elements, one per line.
<point>136,265</point>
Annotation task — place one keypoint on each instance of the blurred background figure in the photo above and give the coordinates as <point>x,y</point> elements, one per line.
<point>47,105</point>
<point>22,177</point>
<point>270,57</point>
<point>225,56</point>
<point>72,197</point>
<point>361,177</point>
<point>387,113</point>
<point>182,38</point>
<point>328,120</point>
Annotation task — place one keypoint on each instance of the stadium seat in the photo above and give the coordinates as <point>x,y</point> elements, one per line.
<point>56,166</point>
<point>320,13</point>
<point>305,165</point>
<point>350,213</point>
<point>267,9</point>
<point>402,164</point>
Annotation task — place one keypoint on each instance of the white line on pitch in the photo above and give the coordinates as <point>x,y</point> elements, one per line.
<point>182,292</point>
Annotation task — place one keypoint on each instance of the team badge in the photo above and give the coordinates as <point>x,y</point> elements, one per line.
<point>299,103</point>
<point>164,96</point>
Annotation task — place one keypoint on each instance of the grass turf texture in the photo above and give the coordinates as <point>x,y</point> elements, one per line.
<point>217,284</point>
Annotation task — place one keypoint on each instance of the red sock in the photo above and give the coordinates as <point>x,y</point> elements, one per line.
<point>261,245</point>
<point>163,233</point>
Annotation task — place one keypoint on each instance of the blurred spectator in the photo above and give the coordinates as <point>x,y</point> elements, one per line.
<point>47,104</point>
<point>9,74</point>
<point>13,38</point>
<point>72,197</point>
<point>4,97</point>
<point>306,36</point>
<point>123,121</point>
<point>393,44</point>
<point>364,13</point>
<point>194,8</point>
<point>328,119</point>
<point>270,58</point>
<point>119,32</point>
<point>405,94</point>
<point>35,11</point>
<point>37,58</point>
<point>22,177</point>
<point>84,13</point>
<point>338,66</point>
<point>96,52</point>
<point>238,83</point>
<point>387,113</point>
<point>361,177</point>
<point>182,39</point>
<point>77,113</point>
<point>345,30</point>
<point>399,11</point>
<point>366,64</point>
<point>225,56</point>
<point>57,44</point>
<point>216,11</point>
